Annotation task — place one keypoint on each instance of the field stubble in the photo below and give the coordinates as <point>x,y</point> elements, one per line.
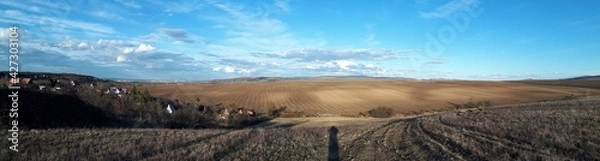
<point>556,130</point>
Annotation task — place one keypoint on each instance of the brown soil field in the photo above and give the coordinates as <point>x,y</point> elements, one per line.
<point>553,130</point>
<point>353,97</point>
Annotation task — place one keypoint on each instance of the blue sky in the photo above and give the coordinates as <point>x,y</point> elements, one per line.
<point>210,39</point>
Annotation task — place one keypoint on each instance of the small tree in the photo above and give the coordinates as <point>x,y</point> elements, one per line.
<point>146,93</point>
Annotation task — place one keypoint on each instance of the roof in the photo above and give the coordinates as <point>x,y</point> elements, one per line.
<point>25,80</point>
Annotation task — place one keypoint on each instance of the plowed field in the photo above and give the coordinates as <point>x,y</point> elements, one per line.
<point>353,97</point>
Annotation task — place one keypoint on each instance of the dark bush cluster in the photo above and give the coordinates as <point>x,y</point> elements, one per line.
<point>380,112</point>
<point>569,97</point>
<point>472,104</point>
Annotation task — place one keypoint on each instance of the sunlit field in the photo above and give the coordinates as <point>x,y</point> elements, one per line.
<point>353,97</point>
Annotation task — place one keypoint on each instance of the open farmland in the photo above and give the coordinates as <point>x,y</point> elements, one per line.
<point>352,97</point>
<point>555,130</point>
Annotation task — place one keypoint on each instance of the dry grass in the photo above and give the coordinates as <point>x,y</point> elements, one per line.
<point>558,130</point>
<point>353,97</point>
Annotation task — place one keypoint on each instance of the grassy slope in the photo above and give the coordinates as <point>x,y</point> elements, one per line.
<point>556,130</point>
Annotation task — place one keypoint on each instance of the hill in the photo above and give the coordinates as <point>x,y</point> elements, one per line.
<point>555,130</point>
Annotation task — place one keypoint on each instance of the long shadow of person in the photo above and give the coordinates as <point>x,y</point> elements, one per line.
<point>334,150</point>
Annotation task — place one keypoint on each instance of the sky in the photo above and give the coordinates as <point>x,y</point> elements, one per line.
<point>213,39</point>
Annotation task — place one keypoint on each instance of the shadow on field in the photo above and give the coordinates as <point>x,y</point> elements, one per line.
<point>334,150</point>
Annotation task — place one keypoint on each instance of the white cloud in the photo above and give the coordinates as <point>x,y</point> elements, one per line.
<point>345,64</point>
<point>339,54</point>
<point>121,58</point>
<point>128,50</point>
<point>450,8</point>
<point>30,8</point>
<point>346,67</point>
<point>83,45</point>
<point>58,24</point>
<point>3,33</point>
<point>232,70</point>
<point>229,69</point>
<point>254,30</point>
<point>67,43</point>
<point>107,15</point>
<point>144,48</point>
<point>246,71</point>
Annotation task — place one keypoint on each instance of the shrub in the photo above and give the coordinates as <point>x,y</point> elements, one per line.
<point>189,118</point>
<point>380,112</point>
<point>276,112</point>
<point>569,97</point>
<point>472,104</point>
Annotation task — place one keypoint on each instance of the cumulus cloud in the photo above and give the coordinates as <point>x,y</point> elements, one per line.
<point>128,50</point>
<point>338,54</point>
<point>451,8</point>
<point>83,45</point>
<point>121,58</point>
<point>229,69</point>
<point>144,48</point>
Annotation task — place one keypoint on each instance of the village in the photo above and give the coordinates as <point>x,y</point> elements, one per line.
<point>121,91</point>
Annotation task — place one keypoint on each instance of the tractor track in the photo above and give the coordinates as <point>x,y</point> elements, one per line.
<point>512,146</point>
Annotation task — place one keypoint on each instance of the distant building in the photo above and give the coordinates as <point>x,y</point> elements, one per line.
<point>63,81</point>
<point>244,111</point>
<point>56,89</point>
<point>74,83</point>
<point>25,80</point>
<point>225,114</point>
<point>169,109</point>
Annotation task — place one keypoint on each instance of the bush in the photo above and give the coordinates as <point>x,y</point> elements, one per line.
<point>189,118</point>
<point>472,104</point>
<point>380,112</point>
<point>276,111</point>
<point>569,97</point>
